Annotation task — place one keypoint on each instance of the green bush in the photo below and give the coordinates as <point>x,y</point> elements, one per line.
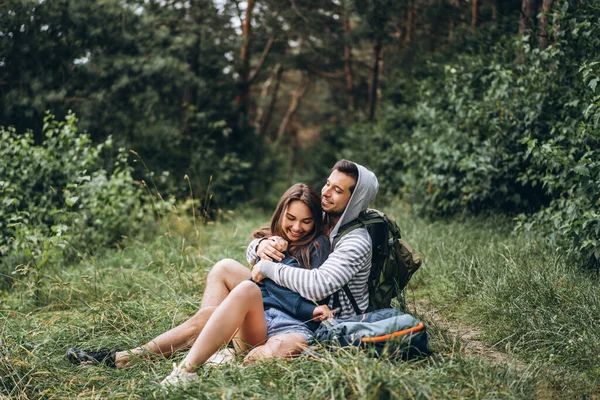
<point>504,128</point>
<point>569,165</point>
<point>58,201</point>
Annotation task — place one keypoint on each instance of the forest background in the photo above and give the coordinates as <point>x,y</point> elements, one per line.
<point>117,114</point>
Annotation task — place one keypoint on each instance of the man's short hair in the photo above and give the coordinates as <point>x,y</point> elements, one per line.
<point>348,168</point>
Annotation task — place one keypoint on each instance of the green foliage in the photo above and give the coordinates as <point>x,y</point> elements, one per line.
<point>501,128</point>
<point>567,160</point>
<point>58,200</point>
<point>569,165</point>
<point>375,146</point>
<point>156,76</point>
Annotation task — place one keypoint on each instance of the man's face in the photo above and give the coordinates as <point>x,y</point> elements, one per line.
<point>335,195</point>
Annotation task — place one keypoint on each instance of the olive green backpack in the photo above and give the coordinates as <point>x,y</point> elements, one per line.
<point>394,261</point>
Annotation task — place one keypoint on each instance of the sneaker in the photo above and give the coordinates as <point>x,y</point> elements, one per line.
<point>179,378</point>
<point>88,358</point>
<point>221,357</point>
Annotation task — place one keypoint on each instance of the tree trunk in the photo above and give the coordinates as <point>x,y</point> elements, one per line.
<point>270,90</point>
<point>348,67</point>
<point>243,86</point>
<point>293,107</point>
<point>474,14</point>
<point>495,10</point>
<point>184,115</point>
<point>528,13</point>
<point>409,22</point>
<point>433,29</point>
<point>374,81</point>
<point>293,153</point>
<point>544,38</point>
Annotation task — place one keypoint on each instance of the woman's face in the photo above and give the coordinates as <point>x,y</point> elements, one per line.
<point>297,221</point>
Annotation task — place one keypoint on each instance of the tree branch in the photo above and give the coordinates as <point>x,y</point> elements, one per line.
<point>323,74</point>
<point>293,107</point>
<point>261,62</point>
<point>298,12</point>
<point>336,82</point>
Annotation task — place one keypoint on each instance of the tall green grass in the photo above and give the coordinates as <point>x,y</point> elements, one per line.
<point>525,299</point>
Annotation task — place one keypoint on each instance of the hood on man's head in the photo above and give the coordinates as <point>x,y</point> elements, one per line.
<point>364,192</point>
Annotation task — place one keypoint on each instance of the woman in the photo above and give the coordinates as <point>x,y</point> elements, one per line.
<point>268,320</point>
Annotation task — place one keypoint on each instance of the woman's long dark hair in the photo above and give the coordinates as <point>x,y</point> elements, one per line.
<point>300,249</point>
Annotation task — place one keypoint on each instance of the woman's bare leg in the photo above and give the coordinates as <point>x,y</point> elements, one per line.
<point>285,345</point>
<point>241,314</point>
<point>222,279</point>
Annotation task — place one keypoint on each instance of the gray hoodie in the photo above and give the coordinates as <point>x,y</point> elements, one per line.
<point>349,262</point>
<point>364,193</point>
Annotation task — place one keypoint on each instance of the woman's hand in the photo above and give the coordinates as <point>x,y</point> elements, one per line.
<point>272,248</point>
<point>280,242</point>
<point>321,313</point>
<point>256,275</point>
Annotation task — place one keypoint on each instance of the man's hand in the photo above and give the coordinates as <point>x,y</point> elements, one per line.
<point>256,275</point>
<point>272,248</point>
<point>321,313</point>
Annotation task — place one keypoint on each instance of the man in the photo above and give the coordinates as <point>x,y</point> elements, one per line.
<point>348,191</point>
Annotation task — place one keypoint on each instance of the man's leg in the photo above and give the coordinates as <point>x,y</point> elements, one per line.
<point>222,278</point>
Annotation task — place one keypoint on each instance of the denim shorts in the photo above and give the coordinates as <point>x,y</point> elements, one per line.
<point>279,322</point>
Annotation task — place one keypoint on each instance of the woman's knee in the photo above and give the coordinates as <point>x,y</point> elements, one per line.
<point>221,267</point>
<point>228,270</point>
<point>246,291</point>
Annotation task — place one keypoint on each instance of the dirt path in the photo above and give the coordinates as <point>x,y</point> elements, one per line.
<point>466,334</point>
<point>471,346</point>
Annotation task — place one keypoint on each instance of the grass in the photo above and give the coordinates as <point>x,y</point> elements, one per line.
<point>524,298</point>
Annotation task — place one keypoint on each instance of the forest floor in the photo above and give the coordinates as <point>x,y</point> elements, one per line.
<point>507,317</point>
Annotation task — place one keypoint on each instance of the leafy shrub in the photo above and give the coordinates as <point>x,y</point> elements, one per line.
<point>466,152</point>
<point>510,129</point>
<point>58,200</point>
<point>569,163</point>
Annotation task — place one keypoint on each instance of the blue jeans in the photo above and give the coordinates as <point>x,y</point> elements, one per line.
<point>279,322</point>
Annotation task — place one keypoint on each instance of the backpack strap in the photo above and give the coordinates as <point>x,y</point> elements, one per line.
<point>389,227</point>
<point>342,231</point>
<point>336,304</point>
<point>393,227</point>
<point>336,300</point>
<point>352,299</point>
<point>363,220</point>
<point>347,228</point>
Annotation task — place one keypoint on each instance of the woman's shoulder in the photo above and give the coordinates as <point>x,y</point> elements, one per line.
<point>319,250</point>
<point>321,242</point>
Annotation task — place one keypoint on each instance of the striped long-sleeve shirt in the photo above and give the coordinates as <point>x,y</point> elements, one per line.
<point>349,263</point>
